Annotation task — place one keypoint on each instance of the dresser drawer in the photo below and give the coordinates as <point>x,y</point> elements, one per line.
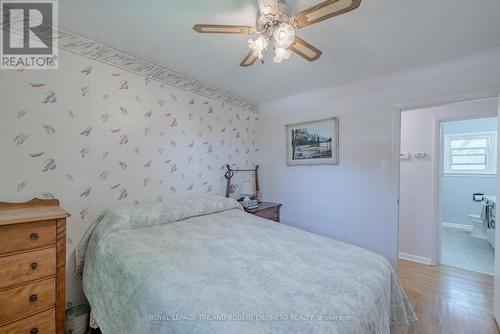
<point>24,267</point>
<point>19,237</point>
<point>41,323</point>
<point>27,299</point>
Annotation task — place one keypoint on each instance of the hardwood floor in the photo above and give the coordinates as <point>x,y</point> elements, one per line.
<point>448,300</point>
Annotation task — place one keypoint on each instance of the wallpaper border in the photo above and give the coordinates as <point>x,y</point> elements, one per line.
<point>85,47</point>
<point>88,48</point>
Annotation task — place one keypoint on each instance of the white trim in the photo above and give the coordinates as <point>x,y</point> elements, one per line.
<point>496,284</point>
<point>437,151</point>
<point>476,96</point>
<point>469,175</point>
<point>461,227</point>
<point>415,258</point>
<point>393,232</point>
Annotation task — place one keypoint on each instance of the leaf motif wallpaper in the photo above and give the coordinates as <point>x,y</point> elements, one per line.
<point>96,137</point>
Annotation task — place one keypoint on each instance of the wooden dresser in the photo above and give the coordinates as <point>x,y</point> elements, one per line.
<point>32,267</point>
<point>267,210</point>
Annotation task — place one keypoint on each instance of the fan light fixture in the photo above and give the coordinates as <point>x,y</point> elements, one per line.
<point>276,27</point>
<point>281,38</point>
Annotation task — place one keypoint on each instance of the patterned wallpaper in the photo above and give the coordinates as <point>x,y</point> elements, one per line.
<point>95,136</point>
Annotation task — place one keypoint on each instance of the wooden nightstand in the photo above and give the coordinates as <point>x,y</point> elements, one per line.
<point>267,210</point>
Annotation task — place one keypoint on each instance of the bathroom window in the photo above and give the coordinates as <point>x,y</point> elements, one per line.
<point>470,153</point>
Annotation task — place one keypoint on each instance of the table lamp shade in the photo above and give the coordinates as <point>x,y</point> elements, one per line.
<point>247,188</point>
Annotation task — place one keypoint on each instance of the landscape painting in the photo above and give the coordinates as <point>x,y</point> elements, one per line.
<point>313,143</point>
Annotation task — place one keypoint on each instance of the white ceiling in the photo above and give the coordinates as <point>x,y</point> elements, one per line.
<point>382,36</point>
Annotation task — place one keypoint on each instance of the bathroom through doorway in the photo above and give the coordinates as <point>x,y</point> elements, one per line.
<point>468,193</point>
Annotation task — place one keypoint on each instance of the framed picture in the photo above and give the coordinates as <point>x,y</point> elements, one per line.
<point>313,143</point>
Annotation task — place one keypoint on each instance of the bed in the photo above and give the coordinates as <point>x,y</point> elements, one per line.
<point>206,266</point>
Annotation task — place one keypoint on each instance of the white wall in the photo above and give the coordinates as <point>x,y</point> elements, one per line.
<point>487,124</point>
<point>456,196</point>
<point>418,233</point>
<point>457,189</point>
<point>97,137</point>
<point>356,201</point>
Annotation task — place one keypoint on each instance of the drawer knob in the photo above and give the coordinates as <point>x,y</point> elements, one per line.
<point>34,330</point>
<point>33,298</point>
<point>33,266</point>
<point>34,236</point>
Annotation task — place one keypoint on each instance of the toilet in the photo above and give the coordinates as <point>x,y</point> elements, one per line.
<point>478,228</point>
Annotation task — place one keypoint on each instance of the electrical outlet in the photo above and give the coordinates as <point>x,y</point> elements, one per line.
<point>383,165</point>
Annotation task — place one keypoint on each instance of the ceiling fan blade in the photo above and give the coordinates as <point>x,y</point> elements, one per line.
<point>325,10</point>
<point>249,59</point>
<point>268,6</point>
<point>223,29</point>
<point>304,49</point>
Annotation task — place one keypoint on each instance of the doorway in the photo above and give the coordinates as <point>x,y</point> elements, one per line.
<point>428,197</point>
<point>468,159</point>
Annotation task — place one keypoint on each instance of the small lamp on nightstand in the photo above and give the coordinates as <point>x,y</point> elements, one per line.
<point>247,190</point>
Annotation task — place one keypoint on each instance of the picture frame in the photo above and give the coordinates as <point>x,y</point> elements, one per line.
<point>313,143</point>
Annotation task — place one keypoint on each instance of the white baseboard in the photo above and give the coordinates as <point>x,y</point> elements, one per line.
<point>461,227</point>
<point>415,258</point>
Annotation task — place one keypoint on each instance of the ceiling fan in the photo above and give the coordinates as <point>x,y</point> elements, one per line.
<point>278,29</point>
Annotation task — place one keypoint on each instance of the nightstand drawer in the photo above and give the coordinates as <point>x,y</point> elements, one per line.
<point>41,323</point>
<point>271,214</point>
<point>20,237</point>
<point>27,299</point>
<point>24,267</point>
<point>267,210</point>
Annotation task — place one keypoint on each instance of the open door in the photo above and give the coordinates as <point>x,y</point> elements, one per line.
<point>496,299</point>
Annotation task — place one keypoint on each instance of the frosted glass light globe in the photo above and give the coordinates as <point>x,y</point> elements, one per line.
<point>284,36</point>
<point>258,46</point>
<point>281,54</point>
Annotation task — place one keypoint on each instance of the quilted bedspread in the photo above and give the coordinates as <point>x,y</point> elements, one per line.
<point>206,266</point>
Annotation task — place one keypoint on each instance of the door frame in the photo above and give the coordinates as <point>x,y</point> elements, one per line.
<point>496,283</point>
<point>437,177</point>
